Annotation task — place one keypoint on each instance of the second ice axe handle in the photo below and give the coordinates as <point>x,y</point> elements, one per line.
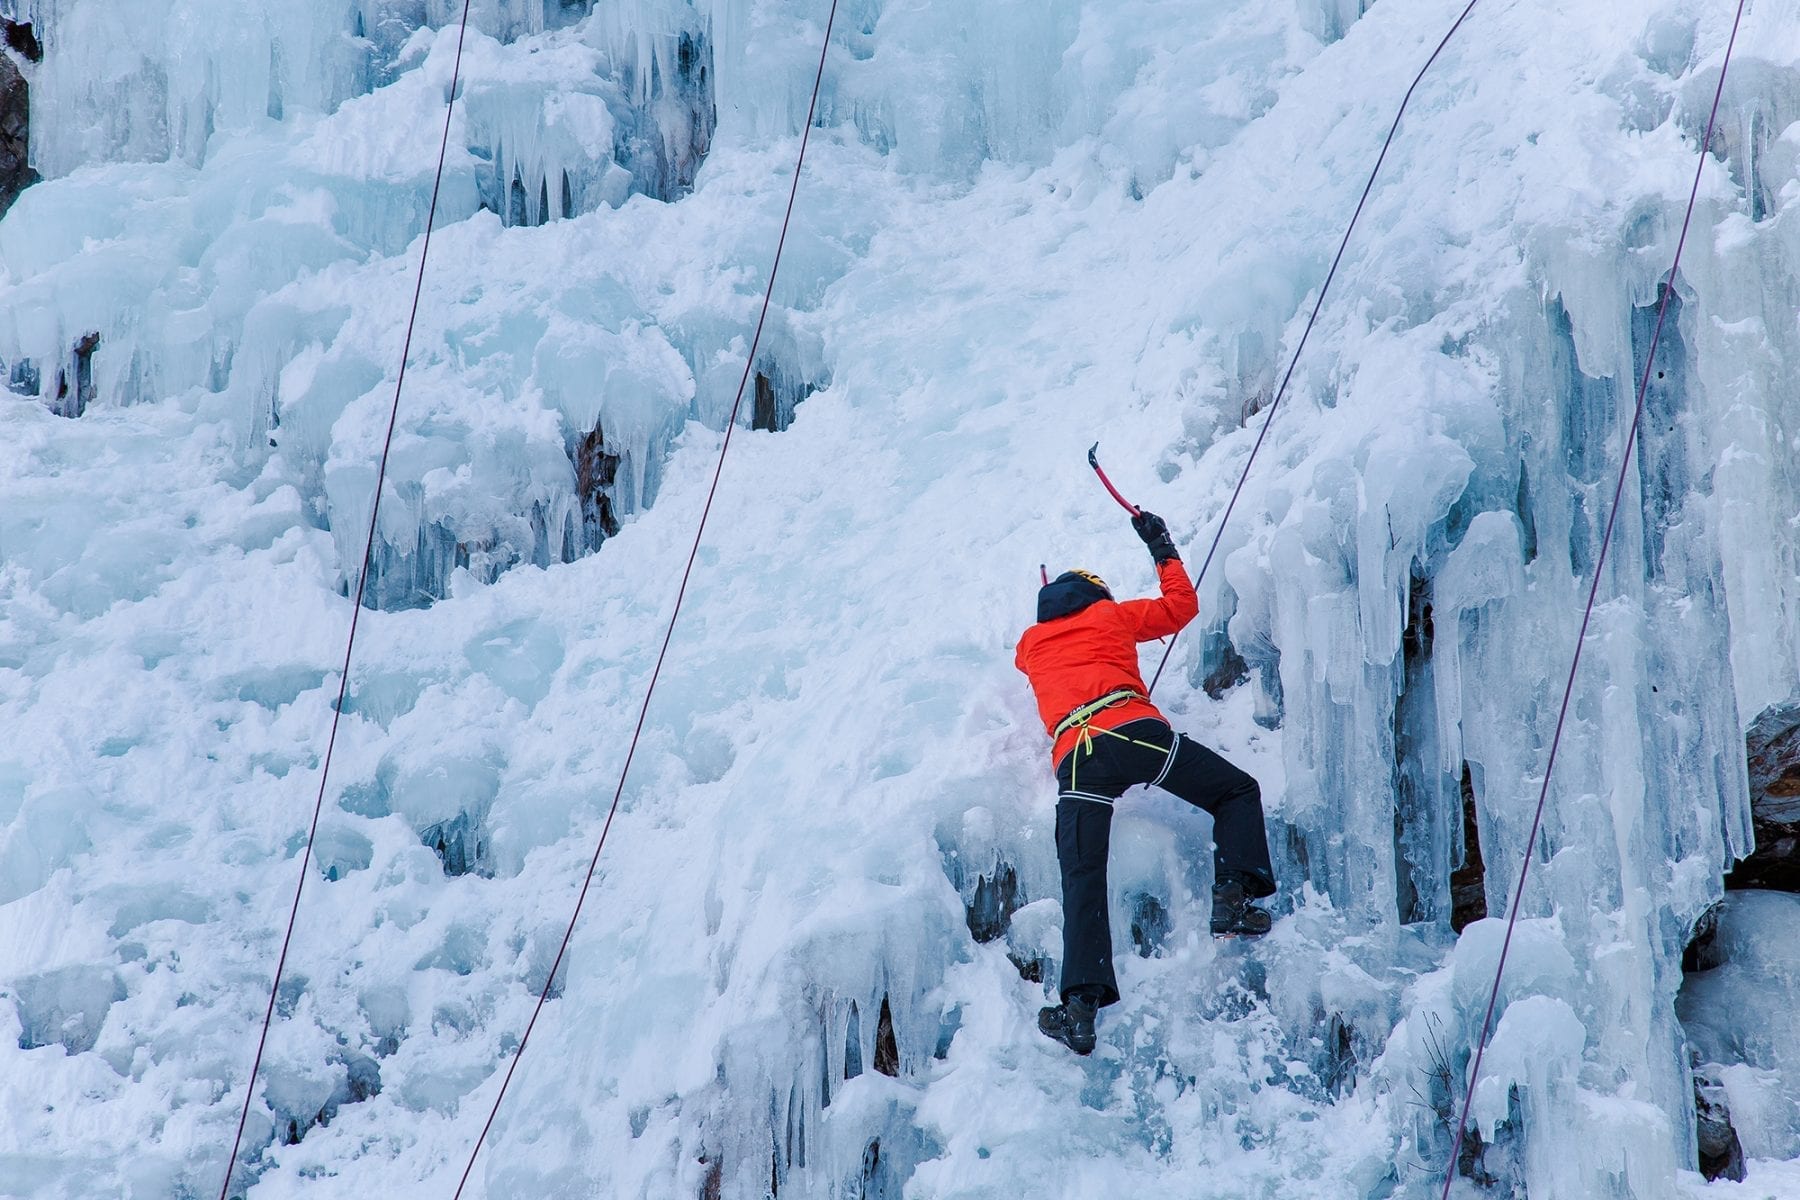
<point>1094,462</point>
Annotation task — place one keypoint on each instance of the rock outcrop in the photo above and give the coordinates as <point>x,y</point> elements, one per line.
<point>1773,747</point>
<point>15,115</point>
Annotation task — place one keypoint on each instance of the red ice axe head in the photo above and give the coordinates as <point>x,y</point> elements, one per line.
<point>1094,462</point>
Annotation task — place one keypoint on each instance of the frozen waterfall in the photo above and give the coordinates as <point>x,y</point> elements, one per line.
<point>828,910</point>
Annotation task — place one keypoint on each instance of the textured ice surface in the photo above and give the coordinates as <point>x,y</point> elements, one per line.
<point>811,960</point>
<point>1740,1017</point>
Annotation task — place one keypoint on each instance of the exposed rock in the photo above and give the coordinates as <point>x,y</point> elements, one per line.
<point>1468,883</point>
<point>1773,748</point>
<point>596,475</point>
<point>15,118</point>
<point>887,1047</point>
<point>1228,667</point>
<point>777,395</point>
<point>1150,925</point>
<point>1721,1157</point>
<point>1341,1060</point>
<point>75,384</point>
<point>23,38</point>
<point>1702,952</point>
<point>996,898</point>
<point>1773,745</point>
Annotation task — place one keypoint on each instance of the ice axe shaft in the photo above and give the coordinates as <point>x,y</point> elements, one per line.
<point>1094,462</point>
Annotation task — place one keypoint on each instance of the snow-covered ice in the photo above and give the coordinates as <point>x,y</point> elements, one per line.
<point>1022,226</point>
<point>1740,1018</point>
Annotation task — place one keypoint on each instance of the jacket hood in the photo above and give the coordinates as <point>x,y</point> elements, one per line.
<point>1068,594</point>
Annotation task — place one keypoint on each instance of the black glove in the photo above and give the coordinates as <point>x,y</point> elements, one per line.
<point>1155,532</point>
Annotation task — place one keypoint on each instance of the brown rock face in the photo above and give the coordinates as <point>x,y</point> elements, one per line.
<point>1773,746</point>
<point>1721,1155</point>
<point>596,472</point>
<point>23,38</point>
<point>15,120</point>
<point>1468,883</point>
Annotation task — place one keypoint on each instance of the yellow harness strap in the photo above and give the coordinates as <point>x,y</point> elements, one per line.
<point>1082,719</point>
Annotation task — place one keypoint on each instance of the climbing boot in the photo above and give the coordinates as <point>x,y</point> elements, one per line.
<point>1071,1023</point>
<point>1234,915</point>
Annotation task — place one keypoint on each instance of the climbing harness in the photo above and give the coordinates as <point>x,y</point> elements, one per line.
<point>1082,719</point>
<point>674,615</point>
<point>1087,712</point>
<point>1085,745</point>
<point>1637,416</point>
<point>1324,288</point>
<point>362,579</point>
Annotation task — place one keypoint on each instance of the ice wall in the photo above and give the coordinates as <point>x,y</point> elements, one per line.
<point>828,912</point>
<point>236,272</point>
<point>264,181</point>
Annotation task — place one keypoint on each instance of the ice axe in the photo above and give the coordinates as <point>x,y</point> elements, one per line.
<point>1094,462</point>
<point>1128,506</point>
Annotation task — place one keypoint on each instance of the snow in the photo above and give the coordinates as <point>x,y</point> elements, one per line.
<point>1021,227</point>
<point>1738,1019</point>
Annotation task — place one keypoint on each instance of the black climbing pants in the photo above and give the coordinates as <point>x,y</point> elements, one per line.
<point>1091,777</point>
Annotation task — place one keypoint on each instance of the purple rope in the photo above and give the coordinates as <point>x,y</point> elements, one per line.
<point>362,580</point>
<point>1310,320</point>
<point>1587,613</point>
<point>681,593</point>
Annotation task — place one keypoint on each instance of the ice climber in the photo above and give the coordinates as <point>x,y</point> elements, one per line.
<point>1081,658</point>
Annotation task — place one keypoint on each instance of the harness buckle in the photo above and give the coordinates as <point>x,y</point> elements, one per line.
<point>1079,717</point>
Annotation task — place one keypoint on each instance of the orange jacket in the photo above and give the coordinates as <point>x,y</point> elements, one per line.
<point>1079,658</point>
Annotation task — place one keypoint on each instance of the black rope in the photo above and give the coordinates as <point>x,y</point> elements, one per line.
<point>362,579</point>
<point>669,632</point>
<point>1307,332</point>
<point>1537,819</point>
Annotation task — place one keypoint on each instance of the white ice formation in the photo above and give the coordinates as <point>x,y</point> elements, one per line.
<point>804,967</point>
